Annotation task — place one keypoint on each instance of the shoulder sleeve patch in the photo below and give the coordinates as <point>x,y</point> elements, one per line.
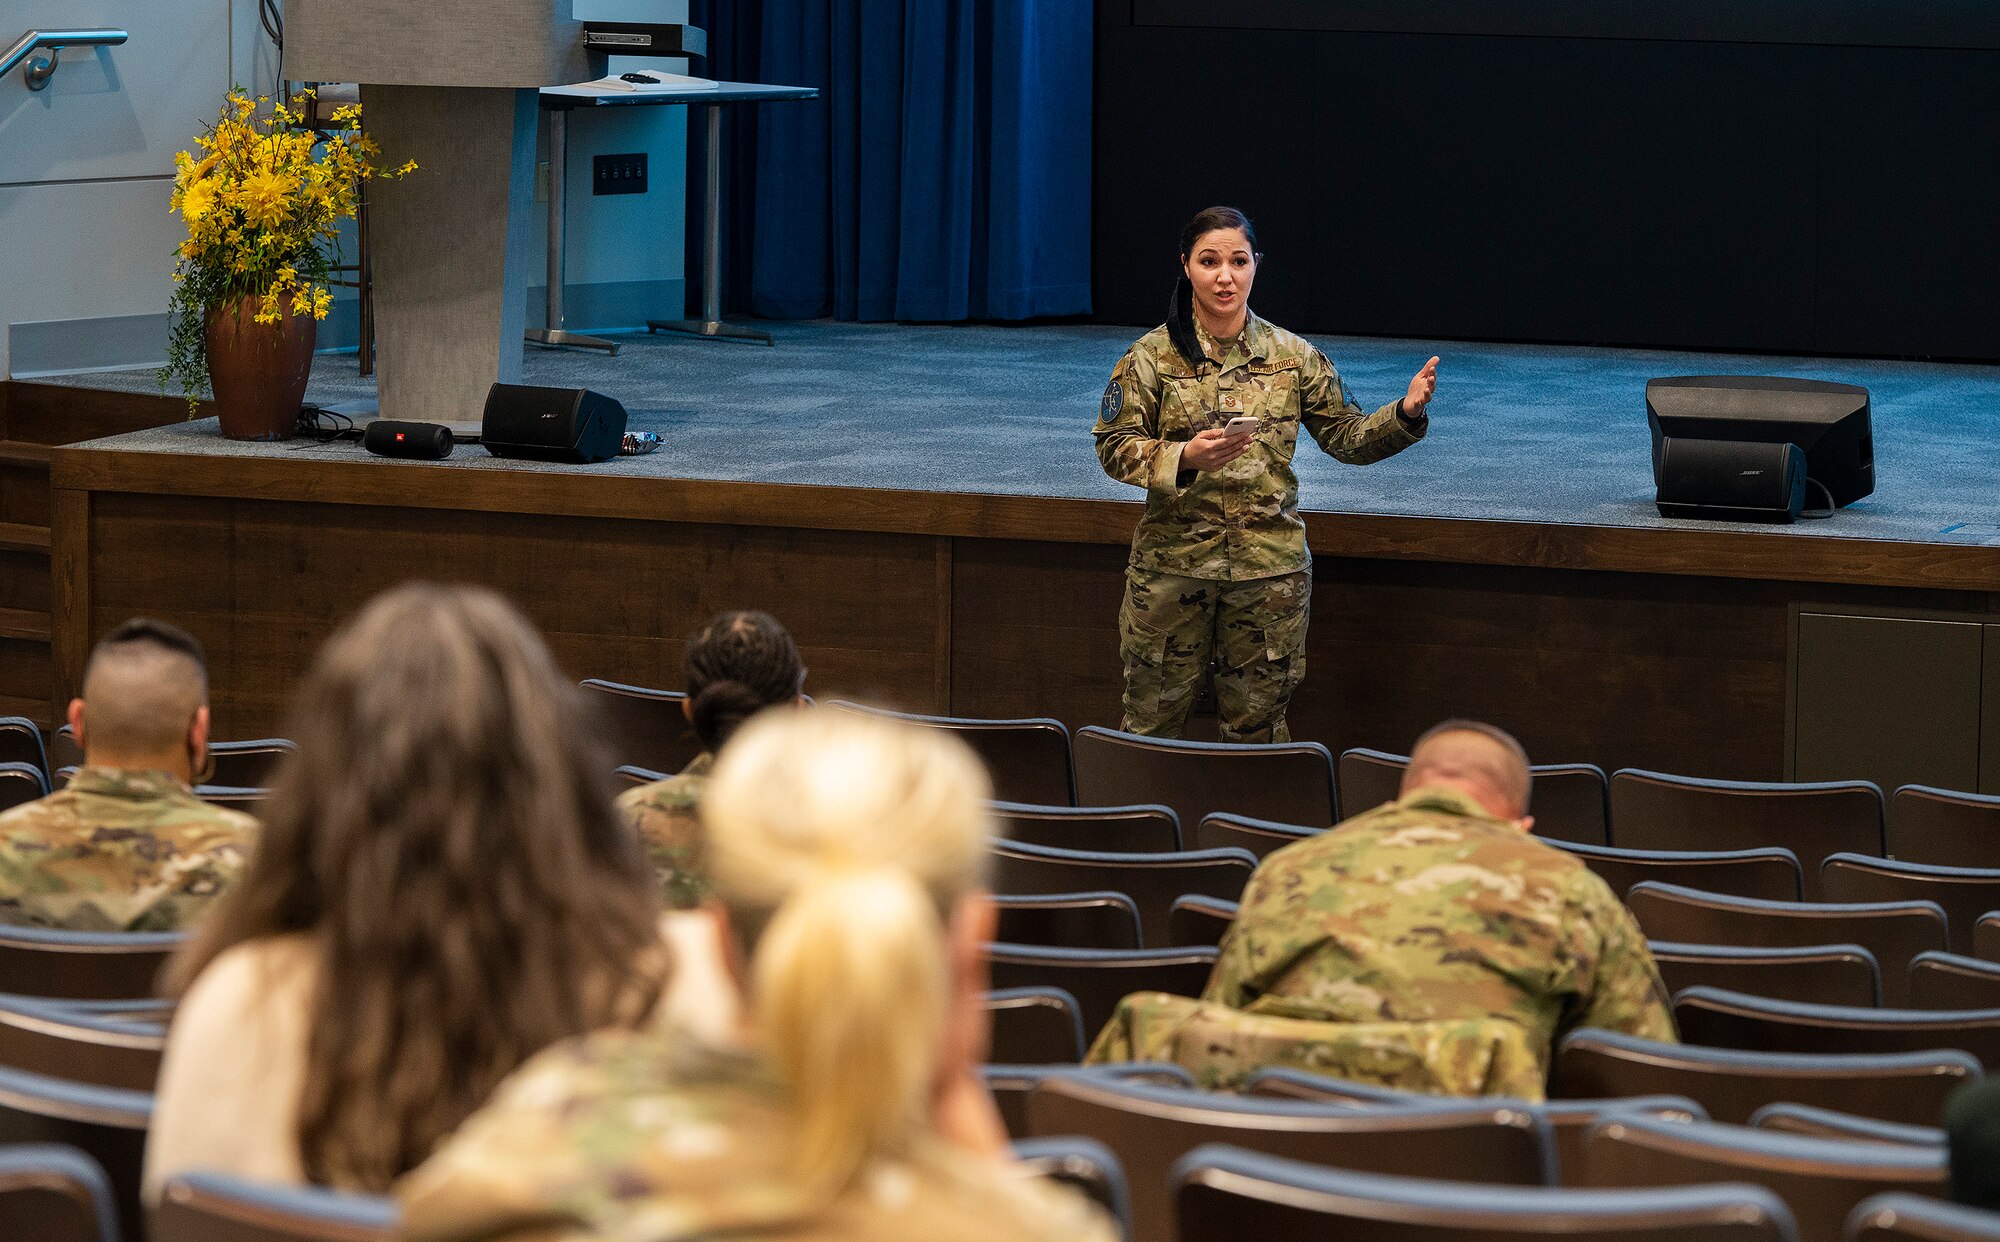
<point>1114,401</point>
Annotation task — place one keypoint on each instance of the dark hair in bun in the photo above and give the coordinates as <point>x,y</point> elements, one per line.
<point>737,665</point>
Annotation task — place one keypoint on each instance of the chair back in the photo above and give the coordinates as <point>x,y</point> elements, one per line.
<point>74,965</point>
<point>1821,1180</point>
<point>1943,827</point>
<point>106,1124</point>
<point>1656,811</point>
<point>1895,932</point>
<point>250,801</point>
<point>1150,1128</point>
<point>1101,920</point>
<point>1222,830</point>
<point>1897,1217</point>
<point>1720,1019</point>
<point>1200,920</point>
<point>214,1207</point>
<point>245,765</point>
<point>64,750</point>
<point>1986,937</point>
<point>1028,758</point>
<point>1226,1194</point>
<point>61,1041</point>
<point>1950,981</point>
<point>21,742</point>
<point>50,1192</point>
<point>1288,782</point>
<point>1113,829</point>
<point>648,728</point>
<point>1152,881</point>
<point>1834,1124</point>
<point>1084,1165</point>
<point>21,783</point>
<point>1100,978</point>
<point>1832,974</point>
<point>1368,778</point>
<point>1964,893</point>
<point>1732,1084</point>
<point>1034,1026</point>
<point>1771,874</point>
<point>1010,1085</point>
<point>1568,799</point>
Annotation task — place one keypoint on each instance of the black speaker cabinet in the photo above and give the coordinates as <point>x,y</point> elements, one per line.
<point>551,424</point>
<point>1731,480</point>
<point>424,441</point>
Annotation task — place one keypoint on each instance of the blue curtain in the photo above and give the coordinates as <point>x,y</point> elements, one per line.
<point>943,174</point>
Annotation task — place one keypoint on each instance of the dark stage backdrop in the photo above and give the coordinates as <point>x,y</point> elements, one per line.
<point>1816,176</point>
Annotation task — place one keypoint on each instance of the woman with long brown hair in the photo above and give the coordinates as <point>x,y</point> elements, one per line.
<point>443,887</point>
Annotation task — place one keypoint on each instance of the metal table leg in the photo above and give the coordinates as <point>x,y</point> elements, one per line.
<point>711,323</point>
<point>553,335</point>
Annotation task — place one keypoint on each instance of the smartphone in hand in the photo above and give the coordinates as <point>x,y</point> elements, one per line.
<point>1241,425</point>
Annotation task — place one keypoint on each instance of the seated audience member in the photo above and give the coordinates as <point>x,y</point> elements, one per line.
<point>1441,907</point>
<point>847,853</point>
<point>444,887</point>
<point>736,666</point>
<point>127,846</point>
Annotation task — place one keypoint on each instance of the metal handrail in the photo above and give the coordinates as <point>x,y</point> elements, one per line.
<point>38,71</point>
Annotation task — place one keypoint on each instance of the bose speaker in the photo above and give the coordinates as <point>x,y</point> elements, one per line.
<point>1828,422</point>
<point>1731,480</point>
<point>551,424</point>
<point>390,438</point>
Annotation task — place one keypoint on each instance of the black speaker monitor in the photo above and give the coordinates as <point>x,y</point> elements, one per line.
<point>1731,481</point>
<point>551,424</point>
<point>1828,422</point>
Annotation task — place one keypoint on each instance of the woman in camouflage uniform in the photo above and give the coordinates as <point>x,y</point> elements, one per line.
<point>1219,564</point>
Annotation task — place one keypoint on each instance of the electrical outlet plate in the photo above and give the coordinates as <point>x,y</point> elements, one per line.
<point>618,174</point>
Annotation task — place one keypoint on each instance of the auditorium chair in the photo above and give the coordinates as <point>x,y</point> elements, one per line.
<point>1964,892</point>
<point>64,751</point>
<point>105,1123</point>
<point>1944,827</point>
<point>1894,931</point>
<point>74,965</point>
<point>1832,974</point>
<point>1953,981</point>
<point>245,765</point>
<point>1035,1026</point>
<point>1152,881</point>
<point>1028,758</point>
<point>1821,1180</point>
<point>230,797</point>
<point>1010,1085</point>
<point>1772,874</point>
<point>104,1050</point>
<point>1221,830</point>
<point>21,783</point>
<point>647,728</point>
<point>1732,1084</point>
<point>1288,782</point>
<point>1897,1217</point>
<point>1986,937</point>
<point>21,742</point>
<point>1655,811</point>
<point>1831,1123</point>
<point>1084,1165</point>
<point>1100,978</point>
<point>54,1193</point>
<point>1151,1127</point>
<point>1566,799</point>
<point>1227,1194</point>
<point>1101,920</point>
<point>215,1207</point>
<point>631,774</point>
<point>1199,920</point>
<point>1151,829</point>
<point>1721,1019</point>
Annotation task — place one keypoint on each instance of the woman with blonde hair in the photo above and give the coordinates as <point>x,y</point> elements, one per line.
<point>847,852</point>
<point>443,888</point>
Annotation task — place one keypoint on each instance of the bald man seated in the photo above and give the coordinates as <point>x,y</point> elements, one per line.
<point>127,846</point>
<point>1440,906</point>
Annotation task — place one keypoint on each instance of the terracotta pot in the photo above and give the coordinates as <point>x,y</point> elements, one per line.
<point>258,370</point>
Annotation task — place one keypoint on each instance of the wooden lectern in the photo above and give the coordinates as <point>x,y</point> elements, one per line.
<point>450,84</point>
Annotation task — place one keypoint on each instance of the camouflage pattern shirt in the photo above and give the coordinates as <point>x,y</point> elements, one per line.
<point>654,1136</point>
<point>1242,521</point>
<point>118,851</point>
<point>1428,909</point>
<point>665,814</point>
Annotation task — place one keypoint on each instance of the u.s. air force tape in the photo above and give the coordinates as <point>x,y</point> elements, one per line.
<point>1114,401</point>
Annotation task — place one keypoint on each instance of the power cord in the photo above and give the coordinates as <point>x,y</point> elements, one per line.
<point>323,426</point>
<point>1819,513</point>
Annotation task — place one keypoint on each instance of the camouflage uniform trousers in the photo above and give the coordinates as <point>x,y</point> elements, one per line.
<point>1169,627</point>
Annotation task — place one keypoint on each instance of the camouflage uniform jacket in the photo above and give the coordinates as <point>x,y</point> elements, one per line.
<point>1242,521</point>
<point>665,814</point>
<point>1428,909</point>
<point>118,851</point>
<point>653,1137</point>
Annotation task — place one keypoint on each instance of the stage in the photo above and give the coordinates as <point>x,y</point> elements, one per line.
<point>923,507</point>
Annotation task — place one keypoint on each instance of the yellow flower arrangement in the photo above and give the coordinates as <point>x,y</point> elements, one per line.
<point>263,197</point>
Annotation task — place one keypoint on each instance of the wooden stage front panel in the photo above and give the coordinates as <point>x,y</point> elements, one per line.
<point>1642,647</point>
